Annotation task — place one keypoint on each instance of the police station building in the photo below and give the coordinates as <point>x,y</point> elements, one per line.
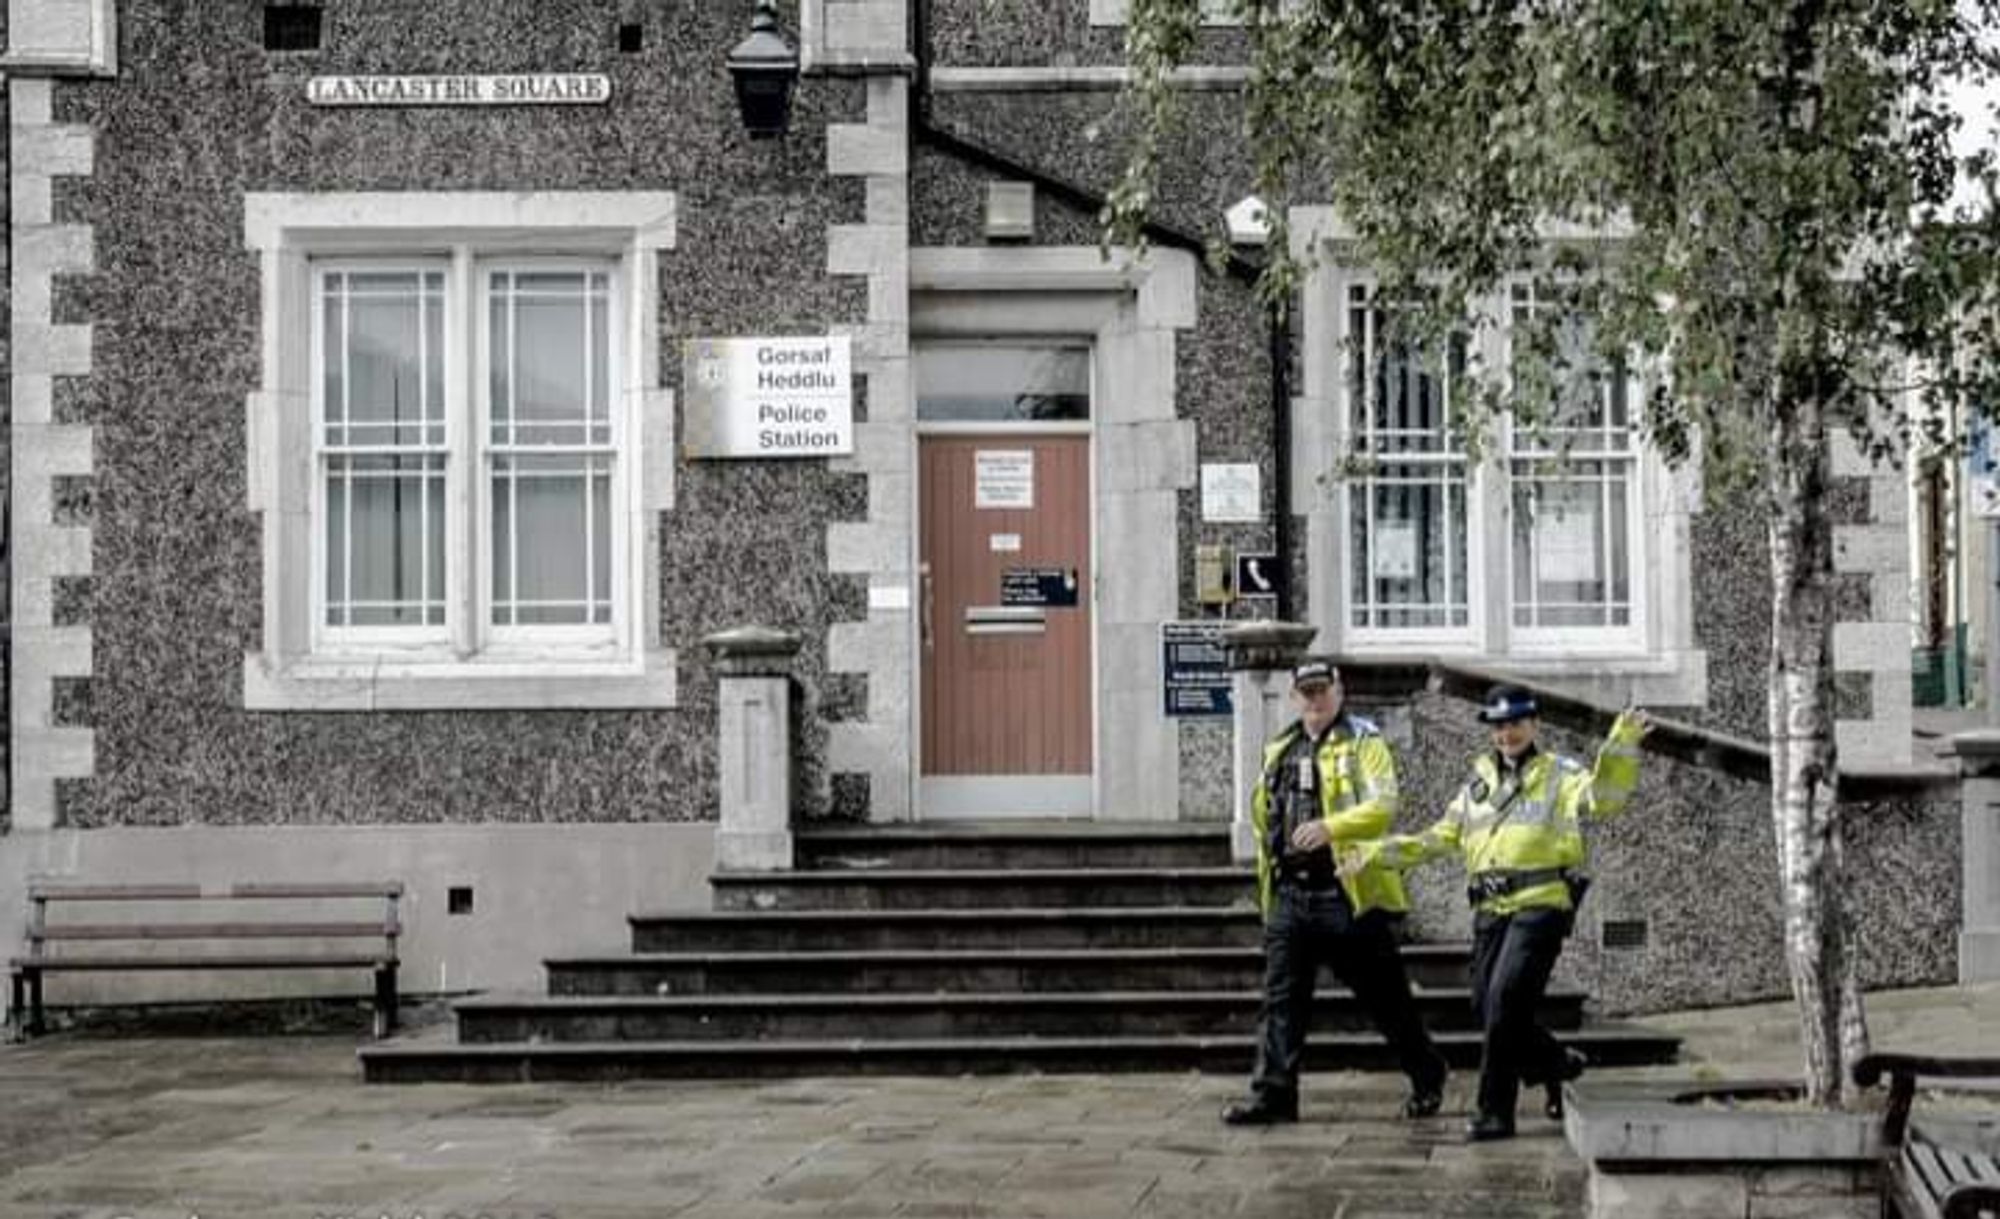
<point>403,398</point>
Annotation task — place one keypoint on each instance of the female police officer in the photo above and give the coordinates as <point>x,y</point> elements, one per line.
<point>1516,823</point>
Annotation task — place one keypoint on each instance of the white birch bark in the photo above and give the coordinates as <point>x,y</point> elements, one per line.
<point>1819,941</point>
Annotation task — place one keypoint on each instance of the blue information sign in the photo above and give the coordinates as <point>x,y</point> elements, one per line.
<point>1194,669</point>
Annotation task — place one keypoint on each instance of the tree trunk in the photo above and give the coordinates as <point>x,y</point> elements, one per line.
<point>1819,939</point>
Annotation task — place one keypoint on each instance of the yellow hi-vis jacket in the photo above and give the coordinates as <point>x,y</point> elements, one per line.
<point>1534,826</point>
<point>1358,798</point>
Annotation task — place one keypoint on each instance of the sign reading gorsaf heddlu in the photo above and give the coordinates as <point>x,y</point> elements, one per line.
<point>514,89</point>
<point>789,397</point>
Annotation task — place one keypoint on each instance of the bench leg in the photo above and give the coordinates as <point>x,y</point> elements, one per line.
<point>35,1025</point>
<point>16,1018</point>
<point>385,1002</point>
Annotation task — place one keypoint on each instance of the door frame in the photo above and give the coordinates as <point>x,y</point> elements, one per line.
<point>1128,308</point>
<point>1087,429</point>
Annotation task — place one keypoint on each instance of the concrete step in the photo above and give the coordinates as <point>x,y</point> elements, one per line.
<point>430,1059</point>
<point>975,970</point>
<point>982,888</point>
<point>814,1017</point>
<point>1044,927</point>
<point>821,1018</point>
<point>1014,845</point>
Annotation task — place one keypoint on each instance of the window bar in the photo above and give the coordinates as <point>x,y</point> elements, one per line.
<point>1374,389</point>
<point>513,528</point>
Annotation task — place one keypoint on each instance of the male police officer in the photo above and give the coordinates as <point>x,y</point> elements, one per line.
<point>1516,822</point>
<point>1328,780</point>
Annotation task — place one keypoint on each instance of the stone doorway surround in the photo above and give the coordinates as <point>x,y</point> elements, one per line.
<point>1128,310</point>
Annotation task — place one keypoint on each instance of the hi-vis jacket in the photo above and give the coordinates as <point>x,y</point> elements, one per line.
<point>1358,798</point>
<point>1532,825</point>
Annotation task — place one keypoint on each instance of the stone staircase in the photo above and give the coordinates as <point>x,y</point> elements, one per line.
<point>949,950</point>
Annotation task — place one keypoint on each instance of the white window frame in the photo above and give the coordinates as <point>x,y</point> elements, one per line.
<point>1656,659</point>
<point>1447,637</point>
<point>1557,641</point>
<point>301,667</point>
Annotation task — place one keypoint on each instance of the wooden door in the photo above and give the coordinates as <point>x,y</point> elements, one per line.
<point>1006,637</point>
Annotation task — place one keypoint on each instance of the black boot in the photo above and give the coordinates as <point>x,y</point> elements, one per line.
<point>1425,1099</point>
<point>1486,1127</point>
<point>1573,1064</point>
<point>1261,1109</point>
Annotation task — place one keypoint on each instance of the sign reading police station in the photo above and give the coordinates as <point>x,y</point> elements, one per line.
<point>513,89</point>
<point>790,397</point>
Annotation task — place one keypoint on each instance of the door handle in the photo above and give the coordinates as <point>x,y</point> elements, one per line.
<point>925,596</point>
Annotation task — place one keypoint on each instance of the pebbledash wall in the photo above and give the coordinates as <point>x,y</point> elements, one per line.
<point>169,180</point>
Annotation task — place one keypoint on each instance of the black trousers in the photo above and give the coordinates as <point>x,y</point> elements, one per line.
<point>1512,958</point>
<point>1308,929</point>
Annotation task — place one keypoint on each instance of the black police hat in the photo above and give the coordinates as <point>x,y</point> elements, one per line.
<point>1505,704</point>
<point>1314,669</point>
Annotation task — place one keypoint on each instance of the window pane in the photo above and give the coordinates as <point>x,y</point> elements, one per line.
<point>551,540</point>
<point>1410,559</point>
<point>385,541</point>
<point>551,355</point>
<point>382,354</point>
<point>1571,563</point>
<point>988,382</point>
<point>1584,404</point>
<point>1403,393</point>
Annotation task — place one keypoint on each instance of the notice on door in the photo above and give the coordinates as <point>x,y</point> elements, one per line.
<point>1038,586</point>
<point>1003,478</point>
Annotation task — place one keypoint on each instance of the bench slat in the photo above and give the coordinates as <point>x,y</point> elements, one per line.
<point>383,889</point>
<point>155,893</point>
<point>206,931</point>
<point>1927,1168</point>
<point>121,964</point>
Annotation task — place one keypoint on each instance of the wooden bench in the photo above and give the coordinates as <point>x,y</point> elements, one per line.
<point>52,946</point>
<point>1930,1175</point>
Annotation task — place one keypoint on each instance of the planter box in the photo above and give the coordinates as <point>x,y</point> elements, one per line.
<point>1685,1151</point>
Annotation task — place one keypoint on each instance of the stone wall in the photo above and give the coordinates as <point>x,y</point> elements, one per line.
<point>199,115</point>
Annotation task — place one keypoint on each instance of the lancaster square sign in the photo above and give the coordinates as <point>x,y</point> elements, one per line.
<point>769,397</point>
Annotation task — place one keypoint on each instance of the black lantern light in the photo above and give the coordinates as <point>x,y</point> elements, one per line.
<point>765,66</point>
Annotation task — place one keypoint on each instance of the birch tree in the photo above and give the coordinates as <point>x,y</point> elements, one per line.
<point>1753,198</point>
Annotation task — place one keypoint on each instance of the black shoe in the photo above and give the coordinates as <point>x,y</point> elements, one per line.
<point>1573,1064</point>
<point>1486,1127</point>
<point>1260,1111</point>
<point>1424,1100</point>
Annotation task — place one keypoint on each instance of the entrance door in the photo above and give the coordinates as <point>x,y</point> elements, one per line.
<point>1006,636</point>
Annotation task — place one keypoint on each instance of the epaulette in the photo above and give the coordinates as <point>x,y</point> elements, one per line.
<point>1363,726</point>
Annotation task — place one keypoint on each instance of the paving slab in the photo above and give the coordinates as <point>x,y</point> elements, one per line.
<point>282,1128</point>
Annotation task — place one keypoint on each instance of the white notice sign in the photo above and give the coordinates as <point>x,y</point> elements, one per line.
<point>790,397</point>
<point>512,89</point>
<point>1394,550</point>
<point>1568,546</point>
<point>1003,478</point>
<point>1231,491</point>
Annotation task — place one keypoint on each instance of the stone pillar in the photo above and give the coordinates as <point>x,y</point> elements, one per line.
<point>753,737</point>
<point>1261,655</point>
<point>1979,812</point>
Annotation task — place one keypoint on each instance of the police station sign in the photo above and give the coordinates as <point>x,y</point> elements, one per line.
<point>769,397</point>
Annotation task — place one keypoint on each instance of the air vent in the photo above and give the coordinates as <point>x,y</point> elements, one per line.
<point>631,38</point>
<point>291,27</point>
<point>458,899</point>
<point>1624,933</point>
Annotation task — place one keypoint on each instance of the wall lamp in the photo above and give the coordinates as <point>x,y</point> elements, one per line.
<point>765,67</point>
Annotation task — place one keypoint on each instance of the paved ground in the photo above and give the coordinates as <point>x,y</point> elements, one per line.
<point>92,1128</point>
